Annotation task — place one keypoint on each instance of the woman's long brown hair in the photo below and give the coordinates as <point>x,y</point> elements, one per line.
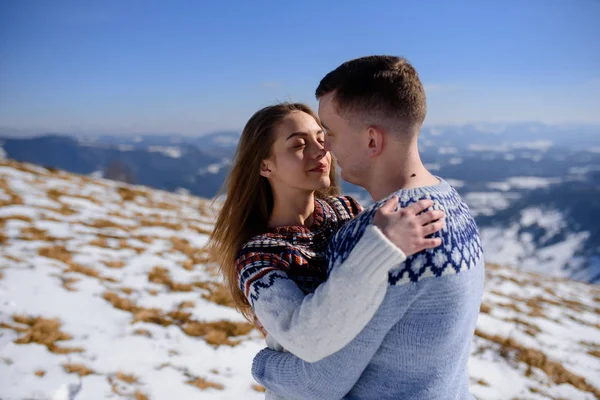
<point>249,198</point>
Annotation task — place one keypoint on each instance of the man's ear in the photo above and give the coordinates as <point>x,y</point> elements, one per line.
<point>375,136</point>
<point>265,168</point>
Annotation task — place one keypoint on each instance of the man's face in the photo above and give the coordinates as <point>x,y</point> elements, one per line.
<point>349,144</point>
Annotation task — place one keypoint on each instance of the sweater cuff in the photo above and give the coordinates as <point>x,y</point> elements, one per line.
<point>375,254</point>
<point>258,365</point>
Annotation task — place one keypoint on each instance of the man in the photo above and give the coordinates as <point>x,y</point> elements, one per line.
<point>418,343</point>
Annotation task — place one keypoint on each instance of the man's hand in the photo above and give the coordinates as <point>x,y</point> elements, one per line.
<point>406,229</point>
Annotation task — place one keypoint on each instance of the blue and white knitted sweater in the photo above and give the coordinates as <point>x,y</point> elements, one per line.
<point>418,342</point>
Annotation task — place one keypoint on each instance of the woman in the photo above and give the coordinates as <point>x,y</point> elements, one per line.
<point>281,210</point>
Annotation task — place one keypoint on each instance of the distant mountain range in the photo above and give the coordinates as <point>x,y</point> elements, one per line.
<point>532,187</point>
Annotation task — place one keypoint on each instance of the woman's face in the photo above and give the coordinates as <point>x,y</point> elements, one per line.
<point>298,159</point>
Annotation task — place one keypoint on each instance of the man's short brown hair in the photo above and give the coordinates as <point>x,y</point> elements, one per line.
<point>386,89</point>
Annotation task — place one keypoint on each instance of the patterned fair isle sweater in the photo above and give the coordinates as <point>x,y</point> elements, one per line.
<point>282,274</point>
<point>418,342</point>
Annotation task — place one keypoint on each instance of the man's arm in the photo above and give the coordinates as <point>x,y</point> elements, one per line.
<point>319,324</point>
<point>334,376</point>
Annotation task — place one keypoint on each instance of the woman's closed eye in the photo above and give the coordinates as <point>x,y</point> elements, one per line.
<point>299,145</point>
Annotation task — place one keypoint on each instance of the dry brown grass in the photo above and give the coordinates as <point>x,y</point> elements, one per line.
<point>533,358</point>
<point>482,382</point>
<point>56,252</point>
<point>259,388</point>
<point>162,223</point>
<point>114,264</point>
<point>100,242</point>
<point>218,294</point>
<point>204,384</point>
<point>127,290</point>
<point>43,331</point>
<point>143,332</point>
<point>40,373</point>
<point>14,200</point>
<point>200,229</point>
<point>595,353</point>
<point>145,239</point>
<point>33,233</point>
<point>151,315</point>
<point>68,281</point>
<point>118,302</point>
<point>139,395</point>
<point>530,329</point>
<point>78,369</point>
<point>215,333</point>
<point>184,246</point>
<point>127,378</point>
<point>128,194</point>
<point>65,210</point>
<point>165,206</point>
<point>218,332</point>
<point>60,253</point>
<point>54,194</point>
<point>12,258</point>
<point>17,217</point>
<point>106,223</point>
<point>583,322</point>
<point>485,308</point>
<point>186,304</point>
<point>1,275</point>
<point>161,276</point>
<point>3,238</point>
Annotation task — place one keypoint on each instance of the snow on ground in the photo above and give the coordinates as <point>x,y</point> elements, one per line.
<point>106,292</point>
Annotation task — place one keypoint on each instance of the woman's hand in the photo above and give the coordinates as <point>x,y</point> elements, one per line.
<point>406,228</point>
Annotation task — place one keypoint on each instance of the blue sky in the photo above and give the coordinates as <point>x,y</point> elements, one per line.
<point>196,66</point>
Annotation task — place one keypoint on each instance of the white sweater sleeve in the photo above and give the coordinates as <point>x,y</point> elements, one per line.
<point>315,326</point>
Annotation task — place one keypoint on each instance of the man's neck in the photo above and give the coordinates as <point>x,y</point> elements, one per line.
<point>292,208</point>
<point>399,170</point>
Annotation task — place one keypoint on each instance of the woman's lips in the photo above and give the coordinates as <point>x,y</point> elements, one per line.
<point>319,168</point>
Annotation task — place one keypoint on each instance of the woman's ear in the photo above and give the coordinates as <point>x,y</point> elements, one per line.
<point>265,168</point>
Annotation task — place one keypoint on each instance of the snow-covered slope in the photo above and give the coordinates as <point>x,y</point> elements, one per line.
<point>106,291</point>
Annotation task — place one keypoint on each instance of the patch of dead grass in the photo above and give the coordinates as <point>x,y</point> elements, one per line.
<point>100,242</point>
<point>127,290</point>
<point>218,332</point>
<point>78,369</point>
<point>485,308</point>
<point>67,282</point>
<point>117,264</point>
<point>186,304</point>
<point>106,223</point>
<point>204,384</point>
<point>161,275</point>
<point>56,252</point>
<point>44,331</point>
<point>54,194</point>
<point>127,378</point>
<point>258,388</point>
<point>40,373</point>
<point>16,217</point>
<point>33,233</point>
<point>143,332</point>
<point>12,258</point>
<point>533,358</point>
